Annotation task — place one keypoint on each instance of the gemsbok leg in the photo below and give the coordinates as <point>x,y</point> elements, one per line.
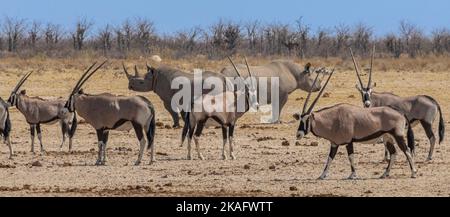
<point>429,131</point>
<point>197,134</point>
<point>140,136</point>
<point>350,154</point>
<point>190,135</point>
<point>231,141</point>
<point>331,155</point>
<point>39,134</point>
<point>65,131</point>
<point>393,153</point>
<point>102,136</point>
<point>386,152</point>
<point>224,137</point>
<point>32,133</point>
<point>402,145</point>
<point>7,141</point>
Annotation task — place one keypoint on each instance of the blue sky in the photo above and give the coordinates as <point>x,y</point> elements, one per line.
<point>172,15</point>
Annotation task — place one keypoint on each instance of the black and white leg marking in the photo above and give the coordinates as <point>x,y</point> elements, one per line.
<point>350,153</point>
<point>331,155</point>
<point>32,133</point>
<point>39,134</point>
<point>140,136</point>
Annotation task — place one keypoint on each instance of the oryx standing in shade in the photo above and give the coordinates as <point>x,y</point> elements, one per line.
<point>344,124</point>
<point>420,108</point>
<point>105,112</point>
<point>39,111</point>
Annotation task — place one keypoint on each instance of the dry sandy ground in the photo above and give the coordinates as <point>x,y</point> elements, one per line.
<point>264,167</point>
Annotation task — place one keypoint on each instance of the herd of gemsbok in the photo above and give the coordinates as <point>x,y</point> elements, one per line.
<point>384,116</point>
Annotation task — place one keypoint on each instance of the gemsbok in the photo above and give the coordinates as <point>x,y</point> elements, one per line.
<point>224,108</point>
<point>291,77</point>
<point>5,125</point>
<point>345,124</point>
<point>105,112</point>
<point>420,108</point>
<point>39,111</point>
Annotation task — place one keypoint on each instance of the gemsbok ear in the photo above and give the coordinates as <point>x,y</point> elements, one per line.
<point>296,116</point>
<point>307,67</point>
<point>357,87</point>
<point>374,84</point>
<point>23,92</point>
<point>81,91</point>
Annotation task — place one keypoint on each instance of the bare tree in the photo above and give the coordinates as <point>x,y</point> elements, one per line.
<point>124,36</point>
<point>412,36</point>
<point>218,39</point>
<point>303,34</point>
<point>186,40</point>
<point>52,34</point>
<point>341,39</point>
<point>361,38</point>
<point>393,45</point>
<point>14,29</point>
<point>34,34</point>
<point>441,40</point>
<point>323,42</point>
<point>288,38</point>
<point>79,34</point>
<point>144,32</point>
<point>251,29</point>
<point>105,39</point>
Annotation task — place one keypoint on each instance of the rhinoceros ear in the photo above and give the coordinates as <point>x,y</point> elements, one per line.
<point>307,67</point>
<point>150,69</point>
<point>296,116</point>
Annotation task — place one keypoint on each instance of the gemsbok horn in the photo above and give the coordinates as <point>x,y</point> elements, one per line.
<point>224,109</point>
<point>344,124</point>
<point>105,112</point>
<point>39,111</point>
<point>419,108</point>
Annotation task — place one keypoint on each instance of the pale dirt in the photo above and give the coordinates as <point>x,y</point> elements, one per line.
<point>264,168</point>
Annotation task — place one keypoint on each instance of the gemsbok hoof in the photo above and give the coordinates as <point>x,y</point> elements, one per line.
<point>224,157</point>
<point>322,177</point>
<point>201,157</point>
<point>233,157</point>
<point>137,163</point>
<point>352,176</point>
<point>384,176</point>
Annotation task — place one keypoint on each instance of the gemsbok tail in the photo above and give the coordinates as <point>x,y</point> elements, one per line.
<point>73,128</point>
<point>441,119</point>
<point>7,127</point>
<point>151,128</point>
<point>410,136</point>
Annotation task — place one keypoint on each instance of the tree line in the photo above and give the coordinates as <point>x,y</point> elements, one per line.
<point>138,36</point>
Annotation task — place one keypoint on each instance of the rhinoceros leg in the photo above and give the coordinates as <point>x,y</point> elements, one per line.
<point>276,109</point>
<point>175,117</point>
